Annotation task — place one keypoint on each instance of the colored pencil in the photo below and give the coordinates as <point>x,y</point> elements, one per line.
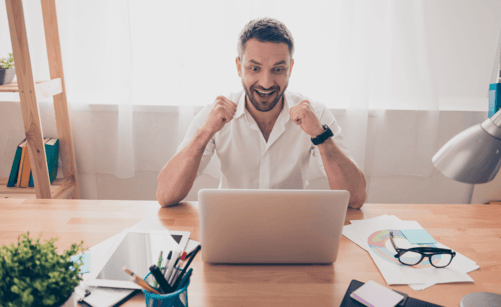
<point>140,282</point>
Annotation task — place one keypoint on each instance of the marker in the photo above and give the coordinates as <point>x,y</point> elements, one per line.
<point>164,285</point>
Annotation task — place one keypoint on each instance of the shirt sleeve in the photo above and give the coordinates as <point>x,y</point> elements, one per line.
<point>197,122</point>
<point>327,118</point>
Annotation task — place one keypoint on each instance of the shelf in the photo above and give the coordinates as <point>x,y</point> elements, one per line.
<point>60,188</point>
<point>30,93</point>
<point>44,89</point>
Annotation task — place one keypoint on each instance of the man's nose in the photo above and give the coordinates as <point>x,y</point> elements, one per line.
<point>266,81</point>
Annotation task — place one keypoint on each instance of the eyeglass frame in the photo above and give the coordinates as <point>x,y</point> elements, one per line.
<point>423,251</point>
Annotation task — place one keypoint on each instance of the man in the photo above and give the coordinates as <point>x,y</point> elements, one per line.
<point>264,135</point>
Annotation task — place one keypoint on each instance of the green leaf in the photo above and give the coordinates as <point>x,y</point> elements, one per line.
<point>32,271</point>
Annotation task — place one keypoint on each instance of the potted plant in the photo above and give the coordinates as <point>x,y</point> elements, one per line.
<point>33,274</point>
<point>7,70</point>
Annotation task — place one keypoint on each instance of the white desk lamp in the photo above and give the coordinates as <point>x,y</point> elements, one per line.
<point>473,156</point>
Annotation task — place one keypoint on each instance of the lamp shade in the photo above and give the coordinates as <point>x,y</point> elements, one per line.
<point>474,155</point>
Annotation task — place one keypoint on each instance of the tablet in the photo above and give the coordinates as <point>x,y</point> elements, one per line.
<point>136,250</point>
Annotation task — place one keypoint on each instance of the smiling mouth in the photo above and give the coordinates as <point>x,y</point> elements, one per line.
<point>265,94</point>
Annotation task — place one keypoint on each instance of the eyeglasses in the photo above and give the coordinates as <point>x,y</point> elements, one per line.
<point>438,257</point>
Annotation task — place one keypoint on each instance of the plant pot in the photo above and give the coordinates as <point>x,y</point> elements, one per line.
<point>7,75</point>
<point>71,301</point>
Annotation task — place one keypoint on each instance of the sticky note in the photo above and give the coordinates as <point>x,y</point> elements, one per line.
<point>375,295</point>
<point>418,236</point>
<point>85,259</point>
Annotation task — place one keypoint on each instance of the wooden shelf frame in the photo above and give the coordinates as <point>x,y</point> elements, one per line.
<point>43,89</point>
<point>60,188</point>
<point>30,92</point>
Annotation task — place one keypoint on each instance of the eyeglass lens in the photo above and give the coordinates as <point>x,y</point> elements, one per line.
<point>410,258</point>
<point>441,260</point>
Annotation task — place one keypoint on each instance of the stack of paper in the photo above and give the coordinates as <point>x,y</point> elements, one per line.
<point>373,236</point>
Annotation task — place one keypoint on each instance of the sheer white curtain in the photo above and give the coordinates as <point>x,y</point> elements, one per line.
<point>366,60</point>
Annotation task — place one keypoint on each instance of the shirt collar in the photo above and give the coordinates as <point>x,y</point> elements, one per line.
<point>240,106</point>
<point>288,101</point>
<point>284,116</point>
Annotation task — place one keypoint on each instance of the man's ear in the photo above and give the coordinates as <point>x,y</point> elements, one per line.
<point>290,70</point>
<point>239,66</point>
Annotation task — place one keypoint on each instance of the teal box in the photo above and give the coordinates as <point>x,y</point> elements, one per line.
<point>494,98</point>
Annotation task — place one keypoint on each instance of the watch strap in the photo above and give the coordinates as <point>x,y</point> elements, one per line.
<point>323,136</point>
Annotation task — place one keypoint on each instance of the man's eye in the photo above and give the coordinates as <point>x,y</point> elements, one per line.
<point>279,69</point>
<point>254,68</point>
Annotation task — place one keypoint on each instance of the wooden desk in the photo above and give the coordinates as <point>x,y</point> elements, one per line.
<point>473,230</point>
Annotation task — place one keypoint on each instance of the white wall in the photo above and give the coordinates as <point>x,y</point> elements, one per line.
<point>392,189</point>
<point>435,188</point>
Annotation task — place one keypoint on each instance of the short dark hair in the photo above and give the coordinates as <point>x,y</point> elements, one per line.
<point>265,30</point>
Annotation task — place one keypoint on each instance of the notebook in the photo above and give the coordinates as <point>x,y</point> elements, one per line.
<point>271,226</point>
<point>355,284</point>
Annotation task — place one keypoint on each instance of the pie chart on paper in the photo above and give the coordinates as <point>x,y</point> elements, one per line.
<point>379,242</point>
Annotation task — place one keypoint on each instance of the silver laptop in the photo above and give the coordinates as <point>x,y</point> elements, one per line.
<point>271,226</point>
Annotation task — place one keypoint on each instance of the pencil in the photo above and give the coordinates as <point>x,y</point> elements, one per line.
<point>140,282</point>
<point>159,265</point>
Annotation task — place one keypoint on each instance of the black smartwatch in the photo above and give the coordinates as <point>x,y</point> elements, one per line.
<point>319,139</point>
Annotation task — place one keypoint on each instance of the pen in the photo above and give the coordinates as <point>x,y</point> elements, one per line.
<point>81,293</point>
<point>185,279</point>
<point>164,285</point>
<point>187,265</point>
<point>166,263</point>
<point>176,270</point>
<point>140,282</point>
<point>170,264</point>
<point>159,264</point>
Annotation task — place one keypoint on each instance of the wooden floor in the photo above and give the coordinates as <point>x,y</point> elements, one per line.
<point>473,230</point>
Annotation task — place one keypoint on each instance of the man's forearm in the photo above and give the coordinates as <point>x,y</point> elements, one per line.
<point>342,173</point>
<point>176,178</point>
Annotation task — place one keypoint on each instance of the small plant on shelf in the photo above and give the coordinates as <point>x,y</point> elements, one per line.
<point>7,62</point>
<point>7,70</point>
<point>34,274</point>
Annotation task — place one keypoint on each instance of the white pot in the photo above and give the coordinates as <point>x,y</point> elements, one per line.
<point>71,301</point>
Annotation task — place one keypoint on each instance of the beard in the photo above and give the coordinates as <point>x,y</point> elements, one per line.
<point>264,103</point>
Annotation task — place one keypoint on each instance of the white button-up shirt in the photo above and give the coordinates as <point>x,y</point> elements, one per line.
<point>249,162</point>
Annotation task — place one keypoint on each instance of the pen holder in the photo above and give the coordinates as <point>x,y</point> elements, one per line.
<point>178,298</point>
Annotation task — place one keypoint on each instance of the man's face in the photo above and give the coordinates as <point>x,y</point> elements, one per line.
<point>265,70</point>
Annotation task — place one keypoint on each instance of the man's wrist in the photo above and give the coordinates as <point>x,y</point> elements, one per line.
<point>205,133</point>
<point>323,136</point>
<point>317,132</point>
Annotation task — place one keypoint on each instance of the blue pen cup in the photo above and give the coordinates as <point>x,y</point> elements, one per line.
<point>178,298</point>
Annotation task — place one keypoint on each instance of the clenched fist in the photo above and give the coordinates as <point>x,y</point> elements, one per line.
<point>303,115</point>
<point>222,112</point>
